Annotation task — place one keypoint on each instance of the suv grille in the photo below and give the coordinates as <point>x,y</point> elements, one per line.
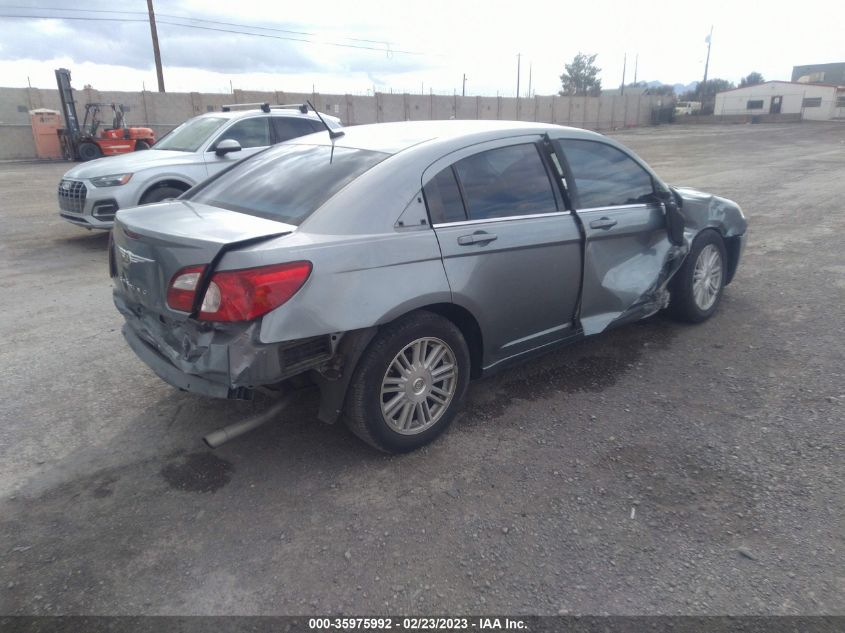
<point>72,196</point>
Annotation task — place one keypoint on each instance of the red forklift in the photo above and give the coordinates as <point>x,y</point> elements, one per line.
<point>96,137</point>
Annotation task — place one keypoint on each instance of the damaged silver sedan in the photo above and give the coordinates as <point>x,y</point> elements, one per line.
<point>392,263</point>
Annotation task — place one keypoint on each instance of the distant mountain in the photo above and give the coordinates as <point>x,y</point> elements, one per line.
<point>679,88</point>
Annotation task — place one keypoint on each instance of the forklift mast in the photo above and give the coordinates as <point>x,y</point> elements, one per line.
<point>68,104</point>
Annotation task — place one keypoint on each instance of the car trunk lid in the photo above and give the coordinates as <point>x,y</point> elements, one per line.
<point>152,243</point>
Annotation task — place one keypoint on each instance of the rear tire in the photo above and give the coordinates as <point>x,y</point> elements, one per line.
<point>696,289</point>
<point>160,194</point>
<point>89,151</point>
<point>409,383</point>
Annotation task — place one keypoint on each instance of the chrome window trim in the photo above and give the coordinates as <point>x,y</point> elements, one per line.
<point>621,207</point>
<point>532,216</point>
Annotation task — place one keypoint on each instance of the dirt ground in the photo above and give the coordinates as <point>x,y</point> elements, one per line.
<point>658,469</point>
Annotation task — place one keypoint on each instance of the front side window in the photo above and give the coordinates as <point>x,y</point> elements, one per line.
<point>190,136</point>
<point>605,176</point>
<point>504,182</point>
<point>252,132</point>
<point>286,182</point>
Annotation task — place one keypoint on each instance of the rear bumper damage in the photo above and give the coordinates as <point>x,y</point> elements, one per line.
<point>215,359</point>
<point>169,373</point>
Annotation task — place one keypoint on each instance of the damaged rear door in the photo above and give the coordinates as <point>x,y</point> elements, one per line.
<point>628,256</point>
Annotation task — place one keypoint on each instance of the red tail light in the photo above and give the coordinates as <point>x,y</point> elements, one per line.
<point>238,295</point>
<point>183,288</point>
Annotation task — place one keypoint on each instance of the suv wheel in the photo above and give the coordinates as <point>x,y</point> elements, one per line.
<point>409,383</point>
<point>161,193</point>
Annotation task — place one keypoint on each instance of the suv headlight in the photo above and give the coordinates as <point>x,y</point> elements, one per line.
<point>111,181</point>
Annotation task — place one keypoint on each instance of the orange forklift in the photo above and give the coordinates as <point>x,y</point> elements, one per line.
<point>86,141</point>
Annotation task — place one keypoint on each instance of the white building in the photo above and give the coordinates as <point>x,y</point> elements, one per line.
<point>814,102</point>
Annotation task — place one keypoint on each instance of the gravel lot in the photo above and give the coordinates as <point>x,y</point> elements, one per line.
<point>659,469</point>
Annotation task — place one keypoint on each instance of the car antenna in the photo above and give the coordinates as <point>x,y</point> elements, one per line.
<point>333,134</point>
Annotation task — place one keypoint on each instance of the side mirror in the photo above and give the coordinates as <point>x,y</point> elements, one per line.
<point>226,146</point>
<point>673,202</point>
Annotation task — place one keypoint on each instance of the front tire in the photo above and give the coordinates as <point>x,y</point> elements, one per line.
<point>159,194</point>
<point>697,287</point>
<point>141,145</point>
<point>89,151</point>
<point>409,383</point>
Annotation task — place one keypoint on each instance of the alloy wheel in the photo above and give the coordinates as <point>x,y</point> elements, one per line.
<point>707,277</point>
<point>419,386</point>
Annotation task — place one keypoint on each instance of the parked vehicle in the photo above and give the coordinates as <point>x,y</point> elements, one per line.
<point>683,108</point>
<point>392,264</point>
<point>92,139</point>
<point>91,193</point>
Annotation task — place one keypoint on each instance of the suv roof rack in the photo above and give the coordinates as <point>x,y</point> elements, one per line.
<point>302,107</point>
<point>265,107</point>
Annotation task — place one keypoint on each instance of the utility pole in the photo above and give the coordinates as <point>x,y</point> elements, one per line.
<point>624,65</point>
<point>518,60</point>
<point>636,64</point>
<point>709,40</point>
<point>464,89</point>
<point>156,51</point>
<point>530,68</point>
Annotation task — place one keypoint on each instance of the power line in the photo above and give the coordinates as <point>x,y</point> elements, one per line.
<point>385,45</point>
<point>164,15</point>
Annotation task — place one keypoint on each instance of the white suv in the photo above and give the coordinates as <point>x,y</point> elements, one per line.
<point>91,193</point>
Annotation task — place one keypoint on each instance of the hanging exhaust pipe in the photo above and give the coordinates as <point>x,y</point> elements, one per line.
<point>220,436</point>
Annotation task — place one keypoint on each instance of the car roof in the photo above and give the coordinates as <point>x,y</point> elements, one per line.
<point>392,138</point>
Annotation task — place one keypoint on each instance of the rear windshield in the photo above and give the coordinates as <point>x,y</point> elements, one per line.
<point>287,182</point>
<point>190,136</point>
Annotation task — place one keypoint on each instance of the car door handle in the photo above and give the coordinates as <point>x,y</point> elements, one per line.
<point>479,237</point>
<point>602,223</point>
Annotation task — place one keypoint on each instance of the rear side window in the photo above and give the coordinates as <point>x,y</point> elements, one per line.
<point>288,127</point>
<point>504,182</point>
<point>252,132</point>
<point>605,176</point>
<point>286,182</point>
<point>444,198</point>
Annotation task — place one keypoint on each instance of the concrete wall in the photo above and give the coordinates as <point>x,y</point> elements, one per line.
<point>163,112</point>
<point>735,102</point>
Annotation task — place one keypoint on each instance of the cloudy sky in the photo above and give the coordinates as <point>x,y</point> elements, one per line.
<point>405,45</point>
